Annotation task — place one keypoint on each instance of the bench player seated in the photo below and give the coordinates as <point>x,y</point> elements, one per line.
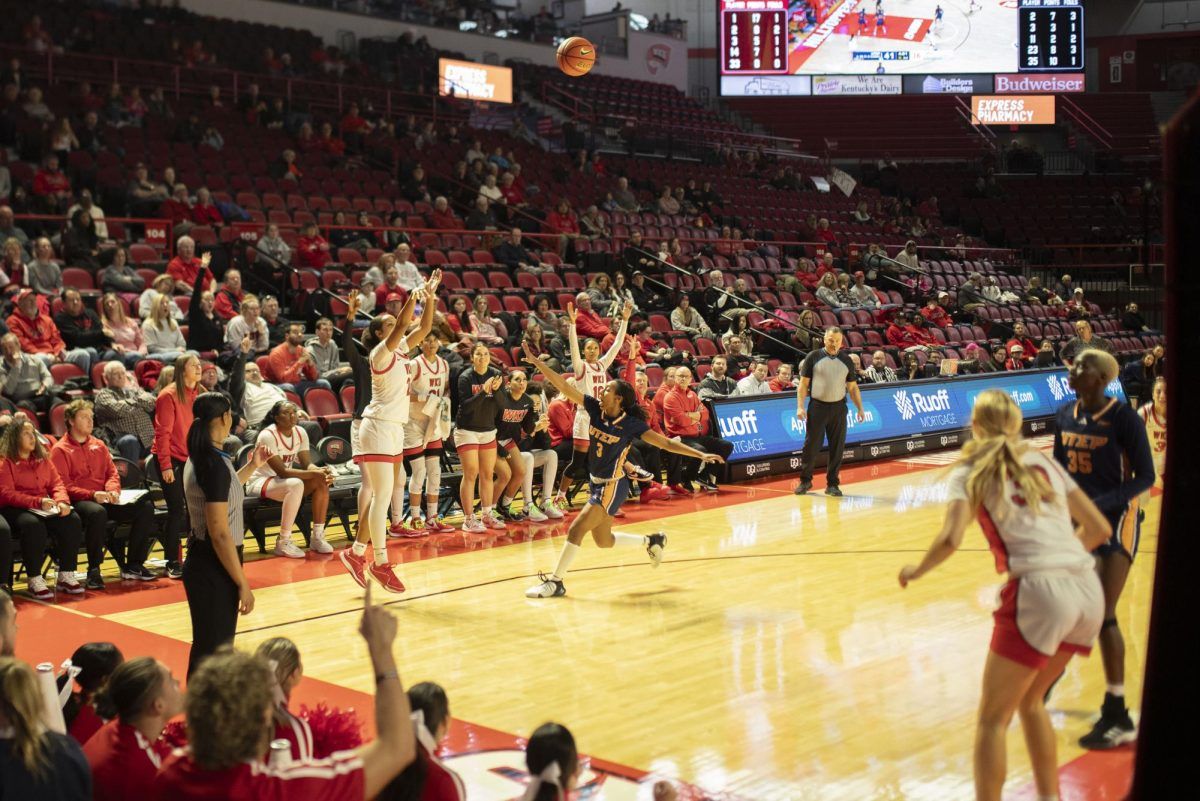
<point>289,477</point>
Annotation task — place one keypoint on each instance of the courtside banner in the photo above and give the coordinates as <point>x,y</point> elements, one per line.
<point>761,427</point>
<point>1012,109</point>
<point>474,81</point>
<point>825,85</point>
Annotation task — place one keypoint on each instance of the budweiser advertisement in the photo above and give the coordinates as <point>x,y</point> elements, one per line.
<point>1039,84</point>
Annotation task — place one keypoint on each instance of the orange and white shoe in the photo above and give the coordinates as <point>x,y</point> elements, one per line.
<point>386,577</point>
<point>357,565</point>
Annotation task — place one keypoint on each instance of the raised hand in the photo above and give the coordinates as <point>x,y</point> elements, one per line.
<point>634,348</point>
<point>571,313</point>
<point>205,259</point>
<point>626,310</point>
<point>352,304</point>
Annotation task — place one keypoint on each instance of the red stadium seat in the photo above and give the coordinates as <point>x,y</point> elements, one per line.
<point>347,397</point>
<point>322,404</point>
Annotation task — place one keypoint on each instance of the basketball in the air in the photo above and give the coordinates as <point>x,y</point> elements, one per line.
<point>576,56</point>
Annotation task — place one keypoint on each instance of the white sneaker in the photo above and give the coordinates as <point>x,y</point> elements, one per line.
<point>491,520</point>
<point>551,510</point>
<point>319,545</point>
<point>472,525</point>
<point>288,548</point>
<point>39,589</point>
<point>549,587</point>
<point>535,514</point>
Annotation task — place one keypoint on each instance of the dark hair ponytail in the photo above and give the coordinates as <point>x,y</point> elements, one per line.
<point>96,661</point>
<point>269,420</point>
<point>207,407</point>
<point>130,688</point>
<point>551,742</point>
<point>431,699</point>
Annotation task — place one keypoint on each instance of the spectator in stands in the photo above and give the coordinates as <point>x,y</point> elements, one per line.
<point>28,481</point>
<point>625,199</point>
<point>1084,338</point>
<point>312,249</point>
<point>10,230</point>
<point>43,274</point>
<point>756,382</point>
<point>879,372</point>
<point>81,247</point>
<point>592,225</point>
<point>344,235</point>
<point>862,294</point>
<point>1021,337</point>
<point>1064,288</point>
<point>1137,376</point>
<point>482,218</point>
<point>999,360</point>
<point>120,277</point>
<point>908,256</point>
<point>587,322</point>
<point>178,209</point>
<point>367,299</point>
<point>443,217</point>
<point>227,300</point>
<point>919,332</point>
<point>40,337</point>
<point>512,254</point>
<point>1016,358</point>
<point>185,268</point>
<point>970,293</point>
<point>164,340</point>
<point>408,276</point>
<point>292,366</point>
<point>827,291</point>
<point>739,326</point>
<point>784,380</point>
<point>285,167</point>
<point>644,298</point>
<point>563,222</point>
<point>1132,319</point>
<point>1077,307</point>
<point>328,355</point>
<point>329,143</point>
<point>687,418</point>
<point>933,312</point>
<point>277,324</point>
<point>685,318</point>
<point>1035,292</point>
<point>204,211</point>
<point>911,369</point>
<point>273,246</point>
<point>163,284</point>
<point>1045,356</point>
<point>144,195</point>
<point>125,412</point>
<point>94,487</point>
<point>717,384</point>
<point>635,257</point>
<point>81,328</point>
<point>12,267</point>
<point>738,357</point>
<point>991,289</point>
<point>487,327</point>
<point>51,187</point>
<point>86,203</point>
<point>666,203</point>
<point>206,330</point>
<point>604,298</point>
<point>491,191</point>
<point>24,379</point>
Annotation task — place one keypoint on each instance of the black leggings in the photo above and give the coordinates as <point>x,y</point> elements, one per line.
<point>34,533</point>
<point>177,514</point>
<point>95,517</point>
<point>693,467</point>
<point>212,597</point>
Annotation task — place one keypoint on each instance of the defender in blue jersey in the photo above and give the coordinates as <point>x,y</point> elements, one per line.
<point>616,421</point>
<point>1102,443</point>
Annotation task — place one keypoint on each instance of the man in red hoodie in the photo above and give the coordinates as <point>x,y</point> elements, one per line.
<point>185,267</point>
<point>587,322</point>
<point>40,337</point>
<point>686,417</point>
<point>94,487</point>
<point>292,366</point>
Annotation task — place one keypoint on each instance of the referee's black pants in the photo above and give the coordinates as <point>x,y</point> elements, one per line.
<point>825,420</point>
<point>212,597</point>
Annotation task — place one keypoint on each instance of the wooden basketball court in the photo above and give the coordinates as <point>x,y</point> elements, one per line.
<point>771,656</point>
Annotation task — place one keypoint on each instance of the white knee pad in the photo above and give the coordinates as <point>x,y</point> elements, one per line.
<point>416,482</point>
<point>433,475</point>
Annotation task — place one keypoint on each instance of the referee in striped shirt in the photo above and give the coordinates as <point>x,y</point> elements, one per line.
<point>827,375</point>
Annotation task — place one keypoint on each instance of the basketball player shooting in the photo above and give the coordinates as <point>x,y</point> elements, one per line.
<point>616,420</point>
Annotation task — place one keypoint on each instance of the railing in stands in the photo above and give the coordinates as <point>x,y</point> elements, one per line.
<point>191,81</point>
<point>569,103</point>
<point>1085,122</point>
<point>984,131</point>
<point>157,232</point>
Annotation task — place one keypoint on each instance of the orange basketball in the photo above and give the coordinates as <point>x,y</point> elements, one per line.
<point>576,56</point>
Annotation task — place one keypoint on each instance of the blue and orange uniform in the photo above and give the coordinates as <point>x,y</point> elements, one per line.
<point>608,448</point>
<point>1108,455</point>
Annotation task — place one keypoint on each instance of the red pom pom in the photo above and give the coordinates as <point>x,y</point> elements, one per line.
<point>333,729</point>
<point>175,734</point>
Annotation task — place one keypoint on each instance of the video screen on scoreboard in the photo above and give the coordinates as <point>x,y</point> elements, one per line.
<point>838,47</point>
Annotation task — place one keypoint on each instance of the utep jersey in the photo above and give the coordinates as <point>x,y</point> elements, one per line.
<point>1093,449</point>
<point>610,441</point>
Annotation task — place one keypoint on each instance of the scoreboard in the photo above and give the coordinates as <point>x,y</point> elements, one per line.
<point>1051,36</point>
<point>754,37</point>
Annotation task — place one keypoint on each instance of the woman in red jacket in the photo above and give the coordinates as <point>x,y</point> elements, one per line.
<point>172,419</point>
<point>29,482</point>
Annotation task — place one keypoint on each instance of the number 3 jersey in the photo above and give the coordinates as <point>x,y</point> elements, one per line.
<point>609,441</point>
<point>1107,453</point>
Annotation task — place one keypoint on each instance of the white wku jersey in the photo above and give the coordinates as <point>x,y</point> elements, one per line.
<point>591,379</point>
<point>1156,432</point>
<point>429,378</point>
<point>1021,541</point>
<point>389,386</point>
<point>286,448</point>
